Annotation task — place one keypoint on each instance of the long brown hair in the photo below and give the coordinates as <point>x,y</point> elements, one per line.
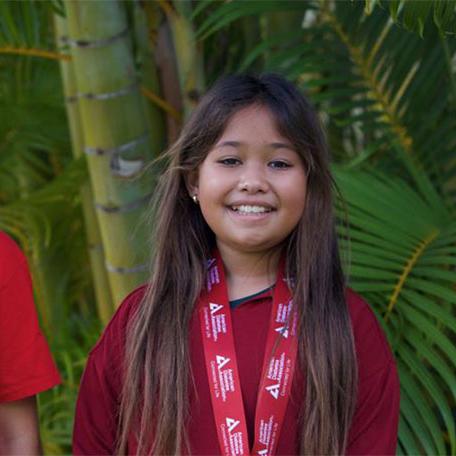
<point>154,402</point>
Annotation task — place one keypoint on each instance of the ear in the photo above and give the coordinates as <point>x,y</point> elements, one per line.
<point>191,182</point>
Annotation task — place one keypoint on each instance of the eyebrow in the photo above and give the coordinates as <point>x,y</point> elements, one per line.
<point>274,145</point>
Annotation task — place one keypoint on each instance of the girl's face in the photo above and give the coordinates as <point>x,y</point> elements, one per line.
<point>252,185</point>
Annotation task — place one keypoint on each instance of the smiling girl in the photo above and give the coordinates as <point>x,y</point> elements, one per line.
<point>246,339</point>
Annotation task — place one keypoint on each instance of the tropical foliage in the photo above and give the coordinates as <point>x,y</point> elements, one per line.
<point>382,75</point>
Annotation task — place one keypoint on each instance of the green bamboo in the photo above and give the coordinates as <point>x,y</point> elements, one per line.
<point>149,76</point>
<point>95,247</point>
<point>112,113</point>
<point>188,53</point>
<point>166,60</point>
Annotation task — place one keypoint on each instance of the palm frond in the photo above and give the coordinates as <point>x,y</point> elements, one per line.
<point>26,24</point>
<point>418,15</point>
<point>403,252</point>
<point>227,12</point>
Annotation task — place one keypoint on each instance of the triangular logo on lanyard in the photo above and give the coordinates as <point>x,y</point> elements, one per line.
<point>222,370</point>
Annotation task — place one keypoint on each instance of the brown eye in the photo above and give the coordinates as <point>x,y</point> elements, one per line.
<point>229,161</point>
<point>279,164</point>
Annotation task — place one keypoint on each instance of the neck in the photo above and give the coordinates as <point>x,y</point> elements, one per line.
<point>248,272</point>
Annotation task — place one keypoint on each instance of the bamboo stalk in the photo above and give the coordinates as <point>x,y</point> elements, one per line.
<point>169,75</point>
<point>187,51</point>
<point>116,136</point>
<point>95,247</point>
<point>150,85</point>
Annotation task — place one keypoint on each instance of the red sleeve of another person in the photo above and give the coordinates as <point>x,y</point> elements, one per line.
<point>26,365</point>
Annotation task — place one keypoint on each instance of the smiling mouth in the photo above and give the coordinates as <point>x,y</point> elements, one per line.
<point>247,209</point>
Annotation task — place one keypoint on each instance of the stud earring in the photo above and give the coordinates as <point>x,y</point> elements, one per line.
<point>195,198</point>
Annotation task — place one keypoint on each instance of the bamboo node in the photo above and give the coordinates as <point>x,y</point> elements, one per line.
<point>89,44</point>
<point>123,270</point>
<point>105,95</point>
<point>89,150</point>
<point>128,207</point>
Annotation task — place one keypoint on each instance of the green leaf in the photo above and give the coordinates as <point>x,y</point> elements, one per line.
<point>433,332</point>
<point>432,422</point>
<point>406,438</point>
<point>444,15</point>
<point>445,371</point>
<point>415,13</point>
<point>429,306</point>
<point>413,418</point>
<point>235,9</point>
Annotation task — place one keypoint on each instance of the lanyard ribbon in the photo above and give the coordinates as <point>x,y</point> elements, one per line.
<point>222,370</point>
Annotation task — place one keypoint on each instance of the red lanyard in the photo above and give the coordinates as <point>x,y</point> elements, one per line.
<point>223,374</point>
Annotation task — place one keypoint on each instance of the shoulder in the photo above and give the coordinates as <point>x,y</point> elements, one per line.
<point>7,245</point>
<point>112,340</point>
<point>372,348</point>
<point>11,257</point>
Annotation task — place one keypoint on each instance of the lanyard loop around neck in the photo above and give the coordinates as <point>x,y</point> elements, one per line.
<point>222,370</point>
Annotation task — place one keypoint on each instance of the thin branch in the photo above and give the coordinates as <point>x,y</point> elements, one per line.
<point>161,103</point>
<point>34,52</point>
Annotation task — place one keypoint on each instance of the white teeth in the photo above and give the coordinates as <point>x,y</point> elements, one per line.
<point>251,209</point>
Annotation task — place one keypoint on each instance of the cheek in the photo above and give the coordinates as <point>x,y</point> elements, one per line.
<point>300,203</point>
<point>210,182</point>
<point>295,194</point>
<point>212,209</point>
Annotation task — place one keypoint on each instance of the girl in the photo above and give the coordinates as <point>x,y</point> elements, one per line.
<point>245,340</point>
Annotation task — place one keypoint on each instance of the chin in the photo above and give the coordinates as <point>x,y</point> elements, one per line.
<point>254,246</point>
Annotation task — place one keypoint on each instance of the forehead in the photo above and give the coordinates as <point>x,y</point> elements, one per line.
<point>254,123</point>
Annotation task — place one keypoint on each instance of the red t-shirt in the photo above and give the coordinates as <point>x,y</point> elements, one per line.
<point>26,365</point>
<point>374,428</point>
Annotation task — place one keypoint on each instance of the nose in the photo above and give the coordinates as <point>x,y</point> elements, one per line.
<point>253,180</point>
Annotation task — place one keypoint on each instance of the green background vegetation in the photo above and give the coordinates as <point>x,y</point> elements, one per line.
<point>82,115</point>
